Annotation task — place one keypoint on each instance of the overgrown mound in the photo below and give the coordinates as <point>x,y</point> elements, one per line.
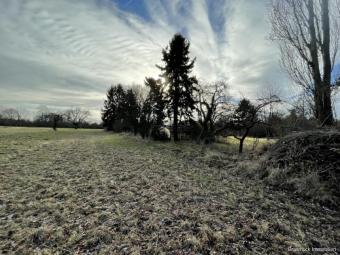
<point>308,163</point>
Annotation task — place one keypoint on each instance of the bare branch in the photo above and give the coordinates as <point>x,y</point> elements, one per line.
<point>308,34</point>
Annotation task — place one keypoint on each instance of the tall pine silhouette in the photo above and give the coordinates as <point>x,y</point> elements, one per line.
<point>180,84</point>
<point>131,110</point>
<point>156,100</point>
<point>113,106</point>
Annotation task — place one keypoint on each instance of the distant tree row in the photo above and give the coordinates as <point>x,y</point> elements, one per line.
<point>71,118</point>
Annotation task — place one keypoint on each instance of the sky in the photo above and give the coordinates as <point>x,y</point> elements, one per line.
<point>62,54</point>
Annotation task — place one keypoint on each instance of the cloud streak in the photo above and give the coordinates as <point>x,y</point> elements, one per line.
<point>66,53</point>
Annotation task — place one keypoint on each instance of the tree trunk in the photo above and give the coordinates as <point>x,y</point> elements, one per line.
<point>326,114</point>
<point>175,109</point>
<point>175,124</point>
<point>322,93</point>
<point>240,149</point>
<point>314,64</point>
<point>54,124</point>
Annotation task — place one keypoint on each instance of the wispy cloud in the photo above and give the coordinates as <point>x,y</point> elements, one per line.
<point>66,53</point>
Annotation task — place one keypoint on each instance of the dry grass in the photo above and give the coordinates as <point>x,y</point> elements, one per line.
<point>251,144</point>
<point>307,163</point>
<point>87,191</point>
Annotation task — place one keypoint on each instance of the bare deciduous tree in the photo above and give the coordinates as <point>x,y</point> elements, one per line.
<point>209,107</point>
<point>76,116</point>
<point>10,113</point>
<point>308,33</point>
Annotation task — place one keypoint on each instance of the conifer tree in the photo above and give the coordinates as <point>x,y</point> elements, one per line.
<point>131,110</point>
<point>113,106</point>
<point>180,85</point>
<point>156,100</point>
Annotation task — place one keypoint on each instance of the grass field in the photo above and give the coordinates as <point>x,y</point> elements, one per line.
<point>88,191</point>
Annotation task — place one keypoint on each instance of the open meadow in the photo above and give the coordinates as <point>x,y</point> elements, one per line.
<point>90,191</point>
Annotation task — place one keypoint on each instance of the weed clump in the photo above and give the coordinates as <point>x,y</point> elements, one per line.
<point>307,163</point>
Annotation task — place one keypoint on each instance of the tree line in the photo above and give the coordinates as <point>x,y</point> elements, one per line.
<point>71,118</point>
<point>193,109</point>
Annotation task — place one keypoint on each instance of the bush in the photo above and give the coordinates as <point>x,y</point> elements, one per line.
<point>161,134</point>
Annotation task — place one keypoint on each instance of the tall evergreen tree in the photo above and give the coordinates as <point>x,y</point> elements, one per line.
<point>120,97</point>
<point>109,110</point>
<point>145,119</point>
<point>156,101</point>
<point>180,85</point>
<point>152,110</point>
<point>113,106</point>
<point>131,110</point>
